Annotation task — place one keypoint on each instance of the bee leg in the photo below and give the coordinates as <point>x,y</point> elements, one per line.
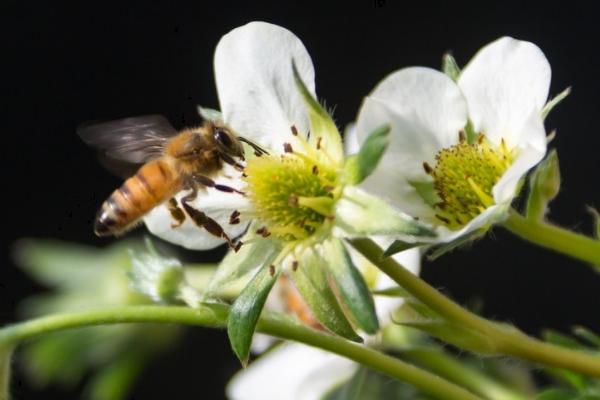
<point>206,181</point>
<point>204,221</point>
<point>229,160</point>
<point>176,212</point>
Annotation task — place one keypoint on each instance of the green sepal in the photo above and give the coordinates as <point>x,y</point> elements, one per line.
<point>237,265</point>
<point>360,214</point>
<point>555,101</point>
<point>360,165</point>
<point>398,245</point>
<point>246,309</point>
<point>443,248</point>
<point>312,281</point>
<point>209,114</point>
<point>323,130</point>
<point>450,67</point>
<point>596,216</point>
<point>352,286</point>
<point>427,191</point>
<point>544,184</point>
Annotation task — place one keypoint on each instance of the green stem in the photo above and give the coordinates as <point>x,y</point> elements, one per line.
<point>5,355</point>
<point>554,238</point>
<point>216,316</point>
<point>505,339</point>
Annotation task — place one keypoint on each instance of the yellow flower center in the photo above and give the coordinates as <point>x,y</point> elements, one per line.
<point>291,194</point>
<point>463,178</point>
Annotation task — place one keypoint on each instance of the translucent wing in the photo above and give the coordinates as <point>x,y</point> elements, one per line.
<point>133,140</point>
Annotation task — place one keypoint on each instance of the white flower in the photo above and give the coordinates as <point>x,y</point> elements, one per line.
<point>460,182</point>
<point>298,372</point>
<point>258,99</point>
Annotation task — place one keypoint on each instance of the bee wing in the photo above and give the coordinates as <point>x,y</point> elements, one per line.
<point>133,140</point>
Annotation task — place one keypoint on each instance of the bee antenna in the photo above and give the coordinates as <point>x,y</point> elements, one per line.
<point>256,147</point>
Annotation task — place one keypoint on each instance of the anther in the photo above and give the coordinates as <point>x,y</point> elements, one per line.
<point>443,219</point>
<point>271,269</point>
<point>427,168</point>
<point>319,143</point>
<point>315,170</point>
<point>461,136</point>
<point>238,246</point>
<point>287,148</point>
<point>294,130</point>
<point>480,138</point>
<point>294,265</point>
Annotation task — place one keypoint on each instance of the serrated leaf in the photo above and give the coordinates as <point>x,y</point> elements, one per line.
<point>237,265</point>
<point>209,114</point>
<point>398,246</point>
<point>352,287</point>
<point>359,214</point>
<point>360,165</point>
<point>450,67</point>
<point>313,283</point>
<point>246,310</point>
<point>544,184</point>
<point>555,101</point>
<point>323,130</point>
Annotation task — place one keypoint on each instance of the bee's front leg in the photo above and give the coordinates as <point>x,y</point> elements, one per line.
<point>204,221</point>
<point>206,181</point>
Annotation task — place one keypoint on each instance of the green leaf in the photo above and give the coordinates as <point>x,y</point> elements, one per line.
<point>450,67</point>
<point>208,114</point>
<point>235,266</point>
<point>352,287</point>
<point>313,283</point>
<point>360,214</point>
<point>398,246</point>
<point>246,309</point>
<point>544,184</point>
<point>323,130</point>
<point>360,165</point>
<point>555,101</point>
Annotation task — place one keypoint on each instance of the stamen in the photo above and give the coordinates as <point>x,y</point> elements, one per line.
<point>271,270</point>
<point>294,265</point>
<point>294,130</point>
<point>287,148</point>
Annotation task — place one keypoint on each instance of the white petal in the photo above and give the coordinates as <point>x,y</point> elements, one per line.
<point>489,216</point>
<point>216,204</point>
<point>426,110</point>
<point>291,371</point>
<point>255,83</point>
<point>505,81</point>
<point>351,145</point>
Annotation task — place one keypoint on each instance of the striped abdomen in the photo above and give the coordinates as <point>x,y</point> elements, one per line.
<point>154,183</point>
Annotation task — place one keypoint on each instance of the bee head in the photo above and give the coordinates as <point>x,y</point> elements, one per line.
<point>227,142</point>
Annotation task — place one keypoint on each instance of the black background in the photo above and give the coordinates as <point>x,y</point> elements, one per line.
<point>67,63</point>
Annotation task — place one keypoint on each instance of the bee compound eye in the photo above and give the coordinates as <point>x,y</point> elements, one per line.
<point>223,137</point>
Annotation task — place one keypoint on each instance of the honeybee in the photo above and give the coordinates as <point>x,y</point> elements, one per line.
<point>164,163</point>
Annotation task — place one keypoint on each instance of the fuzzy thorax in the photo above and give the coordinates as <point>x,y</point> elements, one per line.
<point>291,194</point>
<point>464,176</point>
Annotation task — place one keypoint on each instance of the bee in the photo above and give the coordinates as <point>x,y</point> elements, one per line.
<point>159,162</point>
